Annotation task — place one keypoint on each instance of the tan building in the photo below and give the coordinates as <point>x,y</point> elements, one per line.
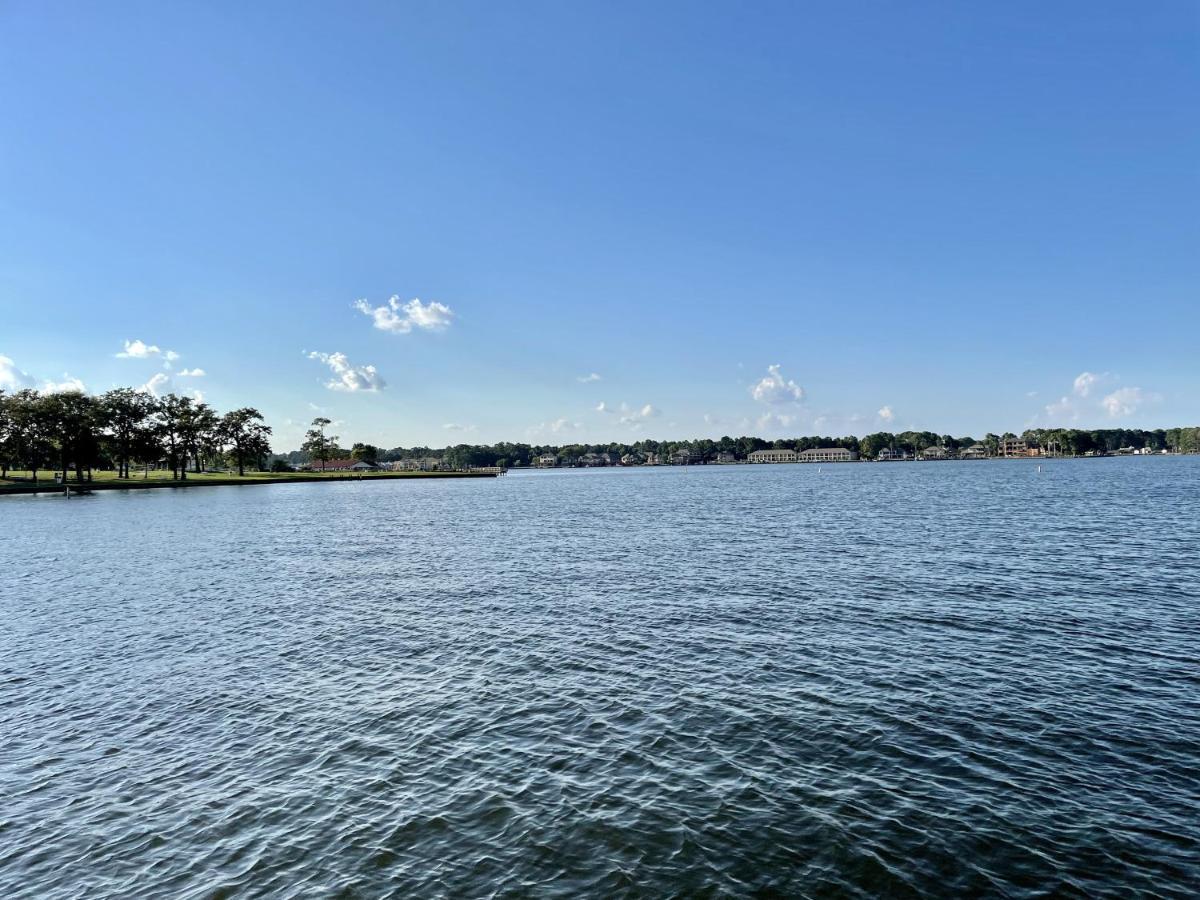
<point>774,456</point>
<point>1013,447</point>
<point>827,454</point>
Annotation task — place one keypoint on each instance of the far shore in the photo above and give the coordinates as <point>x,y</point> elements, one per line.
<point>106,481</point>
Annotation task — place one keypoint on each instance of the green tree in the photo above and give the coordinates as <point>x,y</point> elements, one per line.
<point>74,422</point>
<point>243,429</point>
<point>126,416</point>
<point>316,444</point>
<point>366,452</point>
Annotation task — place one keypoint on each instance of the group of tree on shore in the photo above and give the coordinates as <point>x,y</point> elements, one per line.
<point>1068,441</point>
<point>123,428</point>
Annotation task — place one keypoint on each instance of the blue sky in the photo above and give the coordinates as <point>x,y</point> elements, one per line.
<point>774,219</point>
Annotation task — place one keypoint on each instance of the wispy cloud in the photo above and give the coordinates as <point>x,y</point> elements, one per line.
<point>192,373</point>
<point>1085,381</point>
<point>589,378</point>
<point>886,414</point>
<point>347,376</point>
<point>1126,401</point>
<point>158,385</point>
<point>774,389</point>
<point>776,421</point>
<point>454,426</point>
<point>141,350</point>
<point>401,318</point>
<point>558,426</point>
<point>637,416</point>
<point>1082,403</point>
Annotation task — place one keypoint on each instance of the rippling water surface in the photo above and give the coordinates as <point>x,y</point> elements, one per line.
<point>912,679</point>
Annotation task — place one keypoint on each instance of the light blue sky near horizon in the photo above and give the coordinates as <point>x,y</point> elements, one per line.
<point>945,212</point>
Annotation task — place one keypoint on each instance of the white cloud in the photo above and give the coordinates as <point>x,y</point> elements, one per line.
<point>1083,383</point>
<point>1082,404</point>
<point>401,318</point>
<point>774,389</point>
<point>886,413</point>
<point>61,387</point>
<point>156,386</point>
<point>1063,409</point>
<point>588,379</point>
<point>636,417</point>
<point>192,373</point>
<point>775,421</point>
<point>347,376</point>
<point>141,350</point>
<point>454,426</point>
<point>558,426</point>
<point>198,396</point>
<point>1125,401</point>
<point>603,407</point>
<point>710,419</point>
<point>12,378</point>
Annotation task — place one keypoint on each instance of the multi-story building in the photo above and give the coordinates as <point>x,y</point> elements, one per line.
<point>774,456</point>
<point>827,454</point>
<point>1013,447</point>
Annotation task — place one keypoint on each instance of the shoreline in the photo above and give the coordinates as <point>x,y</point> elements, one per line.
<point>53,487</point>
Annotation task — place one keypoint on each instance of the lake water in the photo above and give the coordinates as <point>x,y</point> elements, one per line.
<point>911,679</point>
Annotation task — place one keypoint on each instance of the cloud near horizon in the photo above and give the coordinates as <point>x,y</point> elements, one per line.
<point>589,378</point>
<point>347,376</point>
<point>13,378</point>
<point>1119,403</point>
<point>773,389</point>
<point>401,318</point>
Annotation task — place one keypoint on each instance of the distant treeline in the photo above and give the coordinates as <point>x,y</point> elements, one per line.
<point>1069,441</point>
<point>124,428</point>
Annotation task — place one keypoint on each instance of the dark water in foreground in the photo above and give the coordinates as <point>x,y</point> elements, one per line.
<point>916,679</point>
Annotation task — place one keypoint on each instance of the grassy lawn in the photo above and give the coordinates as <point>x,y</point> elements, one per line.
<point>18,482</point>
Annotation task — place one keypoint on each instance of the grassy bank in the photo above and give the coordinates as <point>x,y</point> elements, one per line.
<point>18,482</point>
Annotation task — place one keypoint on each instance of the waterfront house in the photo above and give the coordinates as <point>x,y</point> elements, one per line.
<point>546,461</point>
<point>345,465</point>
<point>631,459</point>
<point>774,456</point>
<point>934,453</point>
<point>975,451</point>
<point>652,459</point>
<point>685,457</point>
<point>1013,447</point>
<point>827,454</point>
<point>593,460</point>
<point>725,458</point>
